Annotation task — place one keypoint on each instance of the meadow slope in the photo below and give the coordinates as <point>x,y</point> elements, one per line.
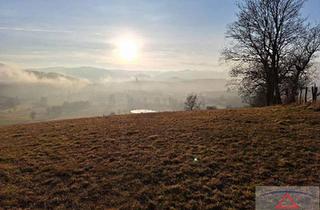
<point>181,160</point>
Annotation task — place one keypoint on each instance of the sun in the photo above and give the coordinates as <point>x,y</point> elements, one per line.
<point>128,49</point>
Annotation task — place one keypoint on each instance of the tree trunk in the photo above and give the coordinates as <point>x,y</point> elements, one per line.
<point>306,95</point>
<point>294,88</point>
<point>293,94</point>
<point>269,91</point>
<point>276,79</point>
<point>277,94</point>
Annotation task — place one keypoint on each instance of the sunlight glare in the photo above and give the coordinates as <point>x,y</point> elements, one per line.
<point>128,49</point>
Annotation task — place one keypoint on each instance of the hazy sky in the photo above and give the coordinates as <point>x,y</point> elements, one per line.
<point>168,34</point>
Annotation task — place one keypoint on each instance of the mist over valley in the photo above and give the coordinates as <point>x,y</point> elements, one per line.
<point>28,95</point>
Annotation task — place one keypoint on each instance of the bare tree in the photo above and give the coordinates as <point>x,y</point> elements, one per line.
<point>264,38</point>
<point>298,72</point>
<point>192,102</point>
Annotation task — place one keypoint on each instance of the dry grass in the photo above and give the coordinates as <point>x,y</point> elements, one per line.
<point>148,161</point>
<point>315,106</point>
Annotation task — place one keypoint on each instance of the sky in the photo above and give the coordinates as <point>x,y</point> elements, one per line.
<point>119,34</point>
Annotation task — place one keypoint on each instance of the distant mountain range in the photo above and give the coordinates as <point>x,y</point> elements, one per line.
<point>12,75</point>
<point>102,75</point>
<point>50,75</point>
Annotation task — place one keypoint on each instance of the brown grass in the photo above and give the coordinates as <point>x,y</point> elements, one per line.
<point>315,106</point>
<point>147,161</point>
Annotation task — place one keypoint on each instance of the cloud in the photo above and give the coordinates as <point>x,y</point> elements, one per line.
<point>33,30</point>
<point>200,64</point>
<point>12,75</point>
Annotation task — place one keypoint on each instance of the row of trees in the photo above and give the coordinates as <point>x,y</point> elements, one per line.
<point>271,49</point>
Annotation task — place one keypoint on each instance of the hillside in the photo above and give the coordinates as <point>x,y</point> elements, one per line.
<point>183,160</point>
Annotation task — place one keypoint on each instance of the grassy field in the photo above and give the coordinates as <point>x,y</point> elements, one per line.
<point>183,160</point>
